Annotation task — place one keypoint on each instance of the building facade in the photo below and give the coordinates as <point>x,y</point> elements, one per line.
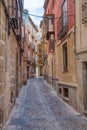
<point>60,33</point>
<point>81,51</point>
<point>39,60</point>
<point>32,40</point>
<point>39,53</point>
<point>25,66</point>
<point>44,50</point>
<point>10,55</point>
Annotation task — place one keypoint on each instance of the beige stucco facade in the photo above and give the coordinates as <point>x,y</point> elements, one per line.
<point>62,60</point>
<point>44,42</point>
<point>31,41</point>
<point>67,79</point>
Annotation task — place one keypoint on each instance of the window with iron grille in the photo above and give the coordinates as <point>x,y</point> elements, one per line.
<point>63,20</point>
<point>50,22</point>
<point>64,12</point>
<point>84,11</point>
<point>66,92</point>
<point>65,57</point>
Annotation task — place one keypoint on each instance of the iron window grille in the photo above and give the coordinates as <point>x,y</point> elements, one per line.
<point>49,25</point>
<point>63,21</point>
<point>62,25</point>
<point>65,57</point>
<point>84,11</point>
<point>50,22</point>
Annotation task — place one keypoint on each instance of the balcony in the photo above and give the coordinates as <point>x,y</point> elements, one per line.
<point>22,46</point>
<point>23,31</point>
<point>29,60</point>
<point>33,46</point>
<point>51,47</point>
<point>19,37</point>
<point>14,22</point>
<point>13,14</point>
<point>40,61</point>
<point>49,25</point>
<point>33,61</point>
<point>52,38</point>
<point>84,11</point>
<point>13,17</point>
<point>62,25</point>
<point>29,43</point>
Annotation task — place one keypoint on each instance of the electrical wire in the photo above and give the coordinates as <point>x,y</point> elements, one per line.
<point>38,16</point>
<point>46,17</point>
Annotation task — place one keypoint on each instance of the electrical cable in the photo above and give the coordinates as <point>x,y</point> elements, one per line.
<point>38,16</point>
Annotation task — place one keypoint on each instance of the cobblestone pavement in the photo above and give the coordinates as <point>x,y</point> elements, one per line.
<point>39,108</point>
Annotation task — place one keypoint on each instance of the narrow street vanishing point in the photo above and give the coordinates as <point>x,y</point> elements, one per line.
<point>39,108</point>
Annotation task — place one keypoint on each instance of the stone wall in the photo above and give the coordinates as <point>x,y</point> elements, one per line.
<point>10,68</point>
<point>2,62</point>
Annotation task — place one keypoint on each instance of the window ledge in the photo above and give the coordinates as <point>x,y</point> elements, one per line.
<point>65,71</point>
<point>66,99</point>
<point>85,112</point>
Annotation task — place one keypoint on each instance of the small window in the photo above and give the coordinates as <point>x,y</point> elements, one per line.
<point>60,91</point>
<point>66,92</point>
<point>65,57</point>
<point>1,116</point>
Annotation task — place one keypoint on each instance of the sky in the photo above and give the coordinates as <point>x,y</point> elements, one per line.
<point>35,7</point>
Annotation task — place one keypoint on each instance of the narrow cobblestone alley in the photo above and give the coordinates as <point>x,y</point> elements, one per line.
<point>39,108</point>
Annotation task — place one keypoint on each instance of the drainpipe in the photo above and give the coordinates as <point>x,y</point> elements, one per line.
<point>74,48</point>
<point>75,40</point>
<point>52,70</point>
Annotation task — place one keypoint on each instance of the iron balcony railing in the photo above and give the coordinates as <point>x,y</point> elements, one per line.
<point>29,43</point>
<point>13,13</point>
<point>62,25</point>
<point>49,25</point>
<point>33,46</point>
<point>31,60</point>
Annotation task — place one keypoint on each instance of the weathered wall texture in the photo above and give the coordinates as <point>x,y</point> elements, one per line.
<point>65,82</point>
<point>10,68</point>
<point>81,49</point>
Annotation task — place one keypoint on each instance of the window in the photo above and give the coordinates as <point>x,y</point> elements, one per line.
<point>65,57</point>
<point>60,91</point>
<point>66,92</point>
<point>63,21</point>
<point>50,23</point>
<point>84,11</point>
<point>1,116</point>
<point>64,13</point>
<point>84,68</point>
